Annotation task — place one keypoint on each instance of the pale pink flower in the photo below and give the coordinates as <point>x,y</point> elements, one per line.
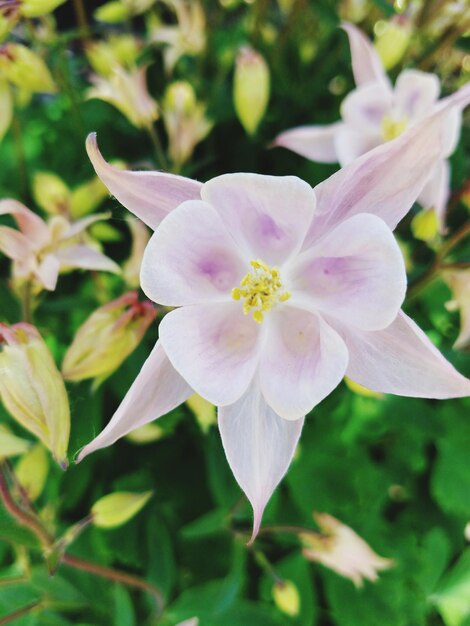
<point>282,290</point>
<point>343,551</point>
<point>41,250</point>
<point>376,112</point>
<point>459,283</point>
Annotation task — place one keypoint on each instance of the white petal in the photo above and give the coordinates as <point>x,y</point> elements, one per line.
<point>316,143</point>
<point>416,93</point>
<point>157,390</point>
<point>365,107</point>
<point>401,360</point>
<point>86,258</point>
<point>214,347</point>
<point>80,225</point>
<point>191,258</point>
<point>30,224</point>
<point>366,64</point>
<point>355,274</point>
<point>149,195</point>
<point>259,446</point>
<point>351,144</point>
<point>268,216</point>
<point>302,361</point>
<point>48,271</point>
<point>14,244</point>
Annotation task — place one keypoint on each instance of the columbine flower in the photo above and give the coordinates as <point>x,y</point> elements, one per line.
<point>127,91</point>
<point>282,290</point>
<point>41,250</point>
<point>459,283</point>
<point>375,113</point>
<point>343,551</point>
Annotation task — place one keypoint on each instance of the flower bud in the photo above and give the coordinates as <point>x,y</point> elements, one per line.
<point>148,433</point>
<point>251,88</point>
<point>38,8</point>
<point>120,49</point>
<point>25,69</point>
<point>118,508</point>
<point>51,193</point>
<point>286,597</point>
<point>10,444</point>
<point>107,338</point>
<point>87,197</point>
<point>112,12</point>
<point>32,389</point>
<point>425,225</point>
<point>392,39</point>
<point>31,471</point>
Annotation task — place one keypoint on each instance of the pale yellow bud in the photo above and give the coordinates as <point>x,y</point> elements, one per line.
<point>25,69</point>
<point>425,225</point>
<point>203,410</point>
<point>6,107</point>
<point>87,197</point>
<point>118,49</point>
<point>112,12</point>
<point>51,193</point>
<point>10,444</point>
<point>286,597</point>
<point>391,40</point>
<point>107,338</point>
<point>38,8</point>
<point>147,433</point>
<point>31,471</point>
<point>32,389</point>
<point>360,390</point>
<point>251,88</point>
<point>118,508</point>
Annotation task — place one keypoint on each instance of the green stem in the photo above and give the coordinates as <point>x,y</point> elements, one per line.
<point>20,155</point>
<point>27,302</point>
<point>157,147</point>
<point>112,574</point>
<point>11,617</point>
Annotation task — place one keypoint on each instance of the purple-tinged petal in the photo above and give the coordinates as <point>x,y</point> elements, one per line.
<point>259,446</point>
<point>365,107</point>
<point>387,180</point>
<point>191,258</point>
<point>30,224</point>
<point>435,193</point>
<point>14,244</point>
<point>214,347</point>
<point>316,143</point>
<point>351,144</point>
<point>47,272</point>
<point>400,359</point>
<point>416,93</point>
<point>157,390</point>
<point>366,64</point>
<point>86,258</point>
<point>355,273</point>
<point>149,195</point>
<point>303,360</point>
<point>267,216</point>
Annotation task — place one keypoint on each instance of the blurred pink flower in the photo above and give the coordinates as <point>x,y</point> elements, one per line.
<point>374,113</point>
<point>342,550</point>
<point>282,290</point>
<point>41,250</point>
<point>459,284</point>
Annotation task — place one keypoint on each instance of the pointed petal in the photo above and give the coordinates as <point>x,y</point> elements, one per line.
<point>387,180</point>
<point>435,193</point>
<point>48,271</point>
<point>316,143</point>
<point>416,93</point>
<point>82,224</point>
<point>14,244</point>
<point>303,360</point>
<point>355,273</point>
<point>365,107</point>
<point>259,446</point>
<point>366,64</point>
<point>191,258</point>
<point>214,347</point>
<point>401,360</point>
<point>266,215</point>
<point>149,195</point>
<point>157,390</point>
<point>86,258</point>
<point>30,224</point>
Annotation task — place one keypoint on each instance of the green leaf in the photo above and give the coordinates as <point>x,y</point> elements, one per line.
<point>450,483</point>
<point>124,614</point>
<point>452,595</point>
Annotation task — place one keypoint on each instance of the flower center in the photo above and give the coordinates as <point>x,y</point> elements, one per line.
<point>393,128</point>
<point>260,289</point>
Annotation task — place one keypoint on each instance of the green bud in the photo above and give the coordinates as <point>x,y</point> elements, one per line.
<point>118,508</point>
<point>251,88</point>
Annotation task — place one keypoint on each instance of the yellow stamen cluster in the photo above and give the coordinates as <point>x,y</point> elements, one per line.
<point>260,290</point>
<point>393,128</point>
